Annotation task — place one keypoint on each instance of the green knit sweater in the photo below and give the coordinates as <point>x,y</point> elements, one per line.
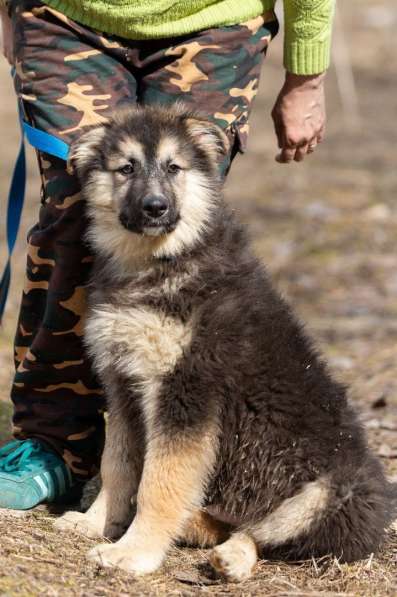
<point>307,22</point>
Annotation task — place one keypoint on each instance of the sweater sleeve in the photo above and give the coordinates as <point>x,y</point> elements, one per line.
<point>307,41</point>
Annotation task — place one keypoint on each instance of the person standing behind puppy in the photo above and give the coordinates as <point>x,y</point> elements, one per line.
<point>74,64</point>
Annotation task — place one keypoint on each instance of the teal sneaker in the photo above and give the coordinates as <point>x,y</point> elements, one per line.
<point>31,474</point>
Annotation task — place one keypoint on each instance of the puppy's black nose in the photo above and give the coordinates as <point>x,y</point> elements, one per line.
<point>155,206</point>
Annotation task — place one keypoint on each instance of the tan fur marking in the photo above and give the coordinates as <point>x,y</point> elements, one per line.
<point>294,516</point>
<point>167,149</point>
<point>129,250</point>
<point>211,137</point>
<point>171,488</point>
<point>147,342</point>
<point>194,217</point>
<point>173,285</point>
<point>120,467</point>
<point>100,190</point>
<point>90,524</point>
<point>126,249</point>
<point>82,151</point>
<point>203,530</point>
<point>131,148</point>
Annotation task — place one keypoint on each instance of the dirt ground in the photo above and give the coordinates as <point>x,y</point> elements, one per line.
<point>327,231</point>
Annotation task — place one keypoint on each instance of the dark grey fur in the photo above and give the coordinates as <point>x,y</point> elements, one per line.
<point>284,420</point>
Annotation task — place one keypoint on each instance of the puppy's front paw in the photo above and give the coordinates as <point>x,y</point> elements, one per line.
<point>126,557</point>
<point>235,559</point>
<point>77,522</point>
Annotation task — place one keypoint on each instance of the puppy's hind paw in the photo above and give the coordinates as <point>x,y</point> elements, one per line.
<point>235,559</point>
<point>79,523</point>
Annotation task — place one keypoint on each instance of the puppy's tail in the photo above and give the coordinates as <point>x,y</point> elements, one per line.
<point>344,515</point>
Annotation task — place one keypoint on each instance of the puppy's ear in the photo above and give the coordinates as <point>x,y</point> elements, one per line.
<point>84,150</point>
<point>210,136</point>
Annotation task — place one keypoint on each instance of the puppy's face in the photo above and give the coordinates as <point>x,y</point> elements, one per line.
<point>151,172</point>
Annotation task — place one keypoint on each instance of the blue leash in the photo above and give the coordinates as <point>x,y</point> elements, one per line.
<point>15,201</point>
<point>16,196</point>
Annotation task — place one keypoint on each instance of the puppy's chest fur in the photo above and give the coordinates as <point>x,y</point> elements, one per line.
<point>141,329</point>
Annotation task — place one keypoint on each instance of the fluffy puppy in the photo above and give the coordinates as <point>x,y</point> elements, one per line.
<point>225,428</point>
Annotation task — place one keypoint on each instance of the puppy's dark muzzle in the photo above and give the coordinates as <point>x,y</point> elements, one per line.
<point>153,215</point>
<point>154,207</point>
<point>127,222</point>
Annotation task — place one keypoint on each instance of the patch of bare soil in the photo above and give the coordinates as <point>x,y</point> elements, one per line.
<point>327,231</point>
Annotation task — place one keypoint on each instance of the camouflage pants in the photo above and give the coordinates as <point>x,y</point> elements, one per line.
<point>69,77</point>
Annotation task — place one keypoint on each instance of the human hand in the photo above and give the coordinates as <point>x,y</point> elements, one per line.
<point>299,116</point>
<point>6,37</point>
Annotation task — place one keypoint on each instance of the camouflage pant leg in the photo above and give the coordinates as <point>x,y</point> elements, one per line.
<point>215,72</point>
<point>69,78</point>
<point>56,397</point>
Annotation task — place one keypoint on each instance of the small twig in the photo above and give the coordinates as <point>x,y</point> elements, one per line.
<point>316,568</point>
<point>368,565</point>
<point>35,559</point>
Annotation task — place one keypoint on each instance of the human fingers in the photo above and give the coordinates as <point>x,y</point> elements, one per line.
<point>286,155</point>
<point>301,152</point>
<point>320,134</point>
<point>312,145</point>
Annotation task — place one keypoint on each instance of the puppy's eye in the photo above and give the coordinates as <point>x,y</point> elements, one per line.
<point>127,169</point>
<point>173,168</point>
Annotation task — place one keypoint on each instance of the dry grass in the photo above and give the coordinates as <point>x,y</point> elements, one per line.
<point>327,230</point>
<point>37,560</point>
